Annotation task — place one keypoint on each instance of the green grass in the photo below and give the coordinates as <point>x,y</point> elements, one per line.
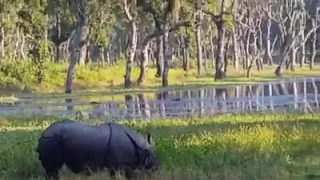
<point>18,78</point>
<point>226,147</point>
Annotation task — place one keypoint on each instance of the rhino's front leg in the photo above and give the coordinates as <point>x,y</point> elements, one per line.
<point>87,171</point>
<point>130,174</point>
<point>52,175</point>
<point>112,173</point>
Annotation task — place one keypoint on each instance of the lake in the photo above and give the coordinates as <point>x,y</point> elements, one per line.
<point>299,94</point>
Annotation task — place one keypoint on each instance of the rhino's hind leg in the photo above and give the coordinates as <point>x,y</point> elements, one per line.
<point>51,158</point>
<point>112,173</point>
<point>52,168</point>
<point>52,175</point>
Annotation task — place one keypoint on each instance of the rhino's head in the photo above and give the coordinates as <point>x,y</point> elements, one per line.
<point>147,158</point>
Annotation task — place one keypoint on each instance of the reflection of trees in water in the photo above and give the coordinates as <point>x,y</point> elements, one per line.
<point>130,106</point>
<point>221,96</point>
<point>144,105</point>
<point>202,101</point>
<point>162,97</point>
<point>212,100</point>
<point>316,92</point>
<point>69,104</point>
<point>252,97</point>
<point>289,87</point>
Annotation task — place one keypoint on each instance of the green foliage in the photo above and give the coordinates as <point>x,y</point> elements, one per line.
<point>41,63</point>
<point>7,14</point>
<point>187,13</point>
<point>32,19</point>
<point>62,20</point>
<point>248,146</point>
<point>16,72</point>
<point>213,5</point>
<point>159,7</point>
<point>102,22</point>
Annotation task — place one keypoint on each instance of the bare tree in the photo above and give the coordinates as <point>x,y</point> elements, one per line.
<point>148,8</point>
<point>252,35</point>
<point>159,56</point>
<point>163,26</point>
<point>239,35</point>
<point>171,22</point>
<point>2,48</point>
<point>236,47</point>
<point>145,46</point>
<point>212,46</point>
<point>302,50</point>
<point>287,17</point>
<point>128,5</point>
<point>267,37</point>
<point>315,23</point>
<point>185,53</point>
<point>199,18</point>
<point>78,43</point>
<point>220,21</point>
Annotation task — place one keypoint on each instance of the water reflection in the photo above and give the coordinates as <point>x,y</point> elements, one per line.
<point>144,106</point>
<point>288,95</point>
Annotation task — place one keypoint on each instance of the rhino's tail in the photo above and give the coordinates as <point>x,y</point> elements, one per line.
<point>50,147</point>
<point>52,135</point>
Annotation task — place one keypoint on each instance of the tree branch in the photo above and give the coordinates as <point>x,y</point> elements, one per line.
<point>127,10</point>
<point>161,32</point>
<point>216,17</point>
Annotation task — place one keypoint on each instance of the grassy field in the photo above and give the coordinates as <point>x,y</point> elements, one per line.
<point>19,78</point>
<point>226,147</point>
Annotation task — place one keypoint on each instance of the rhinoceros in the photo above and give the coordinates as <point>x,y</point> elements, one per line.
<point>85,148</point>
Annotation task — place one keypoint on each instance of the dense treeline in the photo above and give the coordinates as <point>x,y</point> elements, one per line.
<point>213,33</point>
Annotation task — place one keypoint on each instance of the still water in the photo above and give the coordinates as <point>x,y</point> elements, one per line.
<point>286,95</point>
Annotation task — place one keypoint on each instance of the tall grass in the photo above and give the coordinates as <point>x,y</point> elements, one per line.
<point>273,146</point>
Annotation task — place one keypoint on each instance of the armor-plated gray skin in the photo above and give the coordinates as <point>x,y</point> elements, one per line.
<point>82,147</point>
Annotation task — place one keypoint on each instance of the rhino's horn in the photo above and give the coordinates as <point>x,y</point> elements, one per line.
<point>137,148</point>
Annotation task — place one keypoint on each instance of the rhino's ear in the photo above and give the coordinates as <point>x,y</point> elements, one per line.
<point>149,138</point>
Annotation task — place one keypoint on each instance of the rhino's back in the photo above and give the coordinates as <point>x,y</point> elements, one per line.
<point>82,139</point>
<point>55,128</point>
